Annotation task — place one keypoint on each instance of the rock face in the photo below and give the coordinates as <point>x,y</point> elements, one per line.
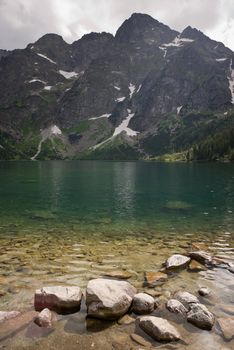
<point>7,315</point>
<point>177,307</point>
<point>200,316</point>
<point>177,261</point>
<point>201,256</point>
<point>227,327</point>
<point>143,304</point>
<point>61,299</point>
<point>108,299</point>
<point>159,328</point>
<point>186,298</point>
<point>44,319</point>
<point>154,278</point>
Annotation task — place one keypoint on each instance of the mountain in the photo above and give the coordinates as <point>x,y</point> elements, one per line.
<point>145,92</point>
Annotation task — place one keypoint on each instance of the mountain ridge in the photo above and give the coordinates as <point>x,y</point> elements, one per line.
<point>177,88</point>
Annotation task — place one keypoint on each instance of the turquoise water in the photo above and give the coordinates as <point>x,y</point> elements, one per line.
<point>121,196</point>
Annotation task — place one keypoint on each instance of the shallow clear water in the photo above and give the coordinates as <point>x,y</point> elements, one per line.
<point>68,221</point>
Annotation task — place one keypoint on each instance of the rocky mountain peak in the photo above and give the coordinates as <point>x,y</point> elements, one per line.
<point>143,28</point>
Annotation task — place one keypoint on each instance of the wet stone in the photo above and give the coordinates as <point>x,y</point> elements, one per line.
<point>195,266</point>
<point>204,291</point>
<point>177,261</point>
<point>152,279</point>
<point>139,340</point>
<point>142,304</point>
<point>200,316</point>
<point>227,327</point>
<point>159,328</point>
<point>44,319</point>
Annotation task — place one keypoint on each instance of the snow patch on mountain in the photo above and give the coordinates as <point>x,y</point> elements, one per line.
<point>179,109</point>
<point>221,59</point>
<point>37,80</point>
<point>231,81</point>
<point>46,58</point>
<point>47,133</point>
<point>120,99</point>
<point>48,88</point>
<point>117,88</point>
<point>101,116</point>
<point>178,42</point>
<point>164,50</point>
<point>124,126</point>
<point>68,75</point>
<point>132,89</point>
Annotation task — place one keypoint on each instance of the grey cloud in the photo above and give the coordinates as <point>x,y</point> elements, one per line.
<point>24,21</point>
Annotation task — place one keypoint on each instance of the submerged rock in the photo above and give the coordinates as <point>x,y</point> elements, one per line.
<point>177,261</point>
<point>44,319</point>
<point>159,328</point>
<point>177,307</point>
<point>118,275</point>
<point>227,327</point>
<point>126,319</point>
<point>140,340</point>
<point>143,304</point>
<point>200,316</point>
<point>201,256</point>
<point>186,298</point>
<point>108,299</point>
<point>154,278</point>
<point>204,291</point>
<point>7,315</point>
<point>195,266</point>
<point>58,298</point>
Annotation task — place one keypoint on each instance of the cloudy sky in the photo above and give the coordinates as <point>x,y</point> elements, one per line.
<point>24,21</point>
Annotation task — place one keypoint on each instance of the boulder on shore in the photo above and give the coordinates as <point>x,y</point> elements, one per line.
<point>159,328</point>
<point>176,307</point>
<point>143,304</point>
<point>186,298</point>
<point>44,319</point>
<point>177,261</point>
<point>200,316</point>
<point>61,299</point>
<point>108,299</point>
<point>7,315</point>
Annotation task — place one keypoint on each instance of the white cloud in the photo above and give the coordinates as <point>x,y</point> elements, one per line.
<point>24,21</point>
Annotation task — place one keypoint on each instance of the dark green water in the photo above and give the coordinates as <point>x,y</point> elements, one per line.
<point>119,196</point>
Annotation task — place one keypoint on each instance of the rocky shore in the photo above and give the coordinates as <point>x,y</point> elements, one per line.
<point>112,300</point>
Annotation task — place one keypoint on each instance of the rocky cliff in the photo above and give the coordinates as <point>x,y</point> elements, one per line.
<point>147,91</point>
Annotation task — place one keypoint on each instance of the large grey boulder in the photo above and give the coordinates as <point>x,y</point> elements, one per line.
<point>143,304</point>
<point>7,315</point>
<point>159,328</point>
<point>108,299</point>
<point>200,316</point>
<point>61,299</point>
<point>186,298</point>
<point>177,261</point>
<point>176,307</point>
